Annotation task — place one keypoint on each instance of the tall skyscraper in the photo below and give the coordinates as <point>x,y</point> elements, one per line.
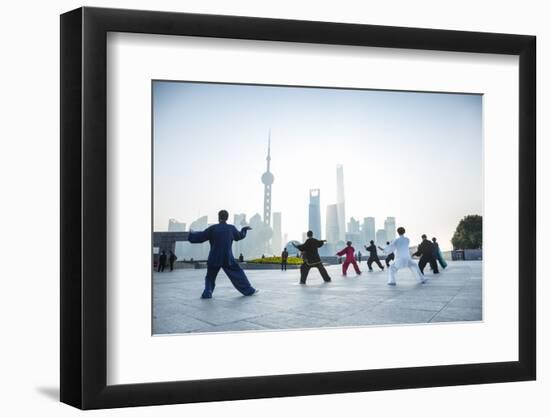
<point>389,227</point>
<point>315,212</point>
<point>175,226</point>
<point>341,202</point>
<point>276,244</point>
<point>267,180</point>
<point>369,229</point>
<point>332,230</point>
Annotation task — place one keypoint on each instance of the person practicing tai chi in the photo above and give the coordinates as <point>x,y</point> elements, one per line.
<point>438,255</point>
<point>172,258</point>
<point>373,256</point>
<point>162,261</point>
<point>311,258</point>
<point>389,257</point>
<point>426,252</point>
<point>400,247</point>
<point>284,259</point>
<point>350,259</point>
<point>221,237</point>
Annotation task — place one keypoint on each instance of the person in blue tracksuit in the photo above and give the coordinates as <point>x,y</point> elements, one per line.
<point>221,237</point>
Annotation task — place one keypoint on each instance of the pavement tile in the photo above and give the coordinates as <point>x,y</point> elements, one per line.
<point>366,300</point>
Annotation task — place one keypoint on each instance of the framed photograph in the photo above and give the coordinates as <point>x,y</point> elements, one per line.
<point>256,208</point>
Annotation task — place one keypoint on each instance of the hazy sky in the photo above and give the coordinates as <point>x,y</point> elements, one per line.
<point>414,156</point>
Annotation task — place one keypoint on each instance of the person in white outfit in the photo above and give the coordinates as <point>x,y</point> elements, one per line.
<point>400,247</point>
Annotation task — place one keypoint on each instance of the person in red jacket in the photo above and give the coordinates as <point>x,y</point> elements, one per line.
<point>350,259</point>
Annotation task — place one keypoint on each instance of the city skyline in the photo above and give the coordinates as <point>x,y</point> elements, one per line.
<point>272,243</point>
<point>379,181</point>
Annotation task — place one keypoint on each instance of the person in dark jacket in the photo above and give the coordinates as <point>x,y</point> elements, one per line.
<point>284,259</point>
<point>171,259</point>
<point>373,256</point>
<point>426,252</point>
<point>310,255</point>
<point>162,262</point>
<point>221,237</point>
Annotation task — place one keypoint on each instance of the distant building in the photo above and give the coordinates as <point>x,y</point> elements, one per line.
<point>257,242</point>
<point>341,202</point>
<point>262,235</point>
<point>353,234</point>
<point>354,238</point>
<point>186,250</point>
<point>381,237</point>
<point>175,226</point>
<point>290,247</point>
<point>315,212</point>
<point>369,230</point>
<point>389,227</point>
<point>267,180</point>
<point>239,220</point>
<point>276,241</point>
<point>354,226</point>
<point>332,229</point>
<point>200,224</point>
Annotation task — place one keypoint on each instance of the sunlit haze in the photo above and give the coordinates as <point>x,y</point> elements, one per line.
<point>413,156</point>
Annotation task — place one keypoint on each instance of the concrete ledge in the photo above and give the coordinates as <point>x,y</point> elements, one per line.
<point>266,266</point>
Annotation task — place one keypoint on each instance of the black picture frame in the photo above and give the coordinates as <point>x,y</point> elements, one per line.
<point>84,179</point>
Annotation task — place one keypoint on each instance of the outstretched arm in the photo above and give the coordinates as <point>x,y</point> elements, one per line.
<point>389,248</point>
<point>242,234</point>
<point>419,250</point>
<point>341,252</point>
<point>299,247</point>
<point>199,237</point>
<point>320,243</point>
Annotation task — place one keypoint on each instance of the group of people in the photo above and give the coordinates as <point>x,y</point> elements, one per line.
<point>398,252</point>
<point>222,235</point>
<point>171,258</point>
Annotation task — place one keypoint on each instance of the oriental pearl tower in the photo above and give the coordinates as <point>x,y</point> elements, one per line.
<point>267,180</point>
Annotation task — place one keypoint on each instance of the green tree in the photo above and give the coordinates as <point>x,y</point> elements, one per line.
<point>468,233</point>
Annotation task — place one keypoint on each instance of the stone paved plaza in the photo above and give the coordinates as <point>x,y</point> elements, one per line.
<point>282,303</point>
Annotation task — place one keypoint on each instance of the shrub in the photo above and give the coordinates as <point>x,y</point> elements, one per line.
<point>292,260</point>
